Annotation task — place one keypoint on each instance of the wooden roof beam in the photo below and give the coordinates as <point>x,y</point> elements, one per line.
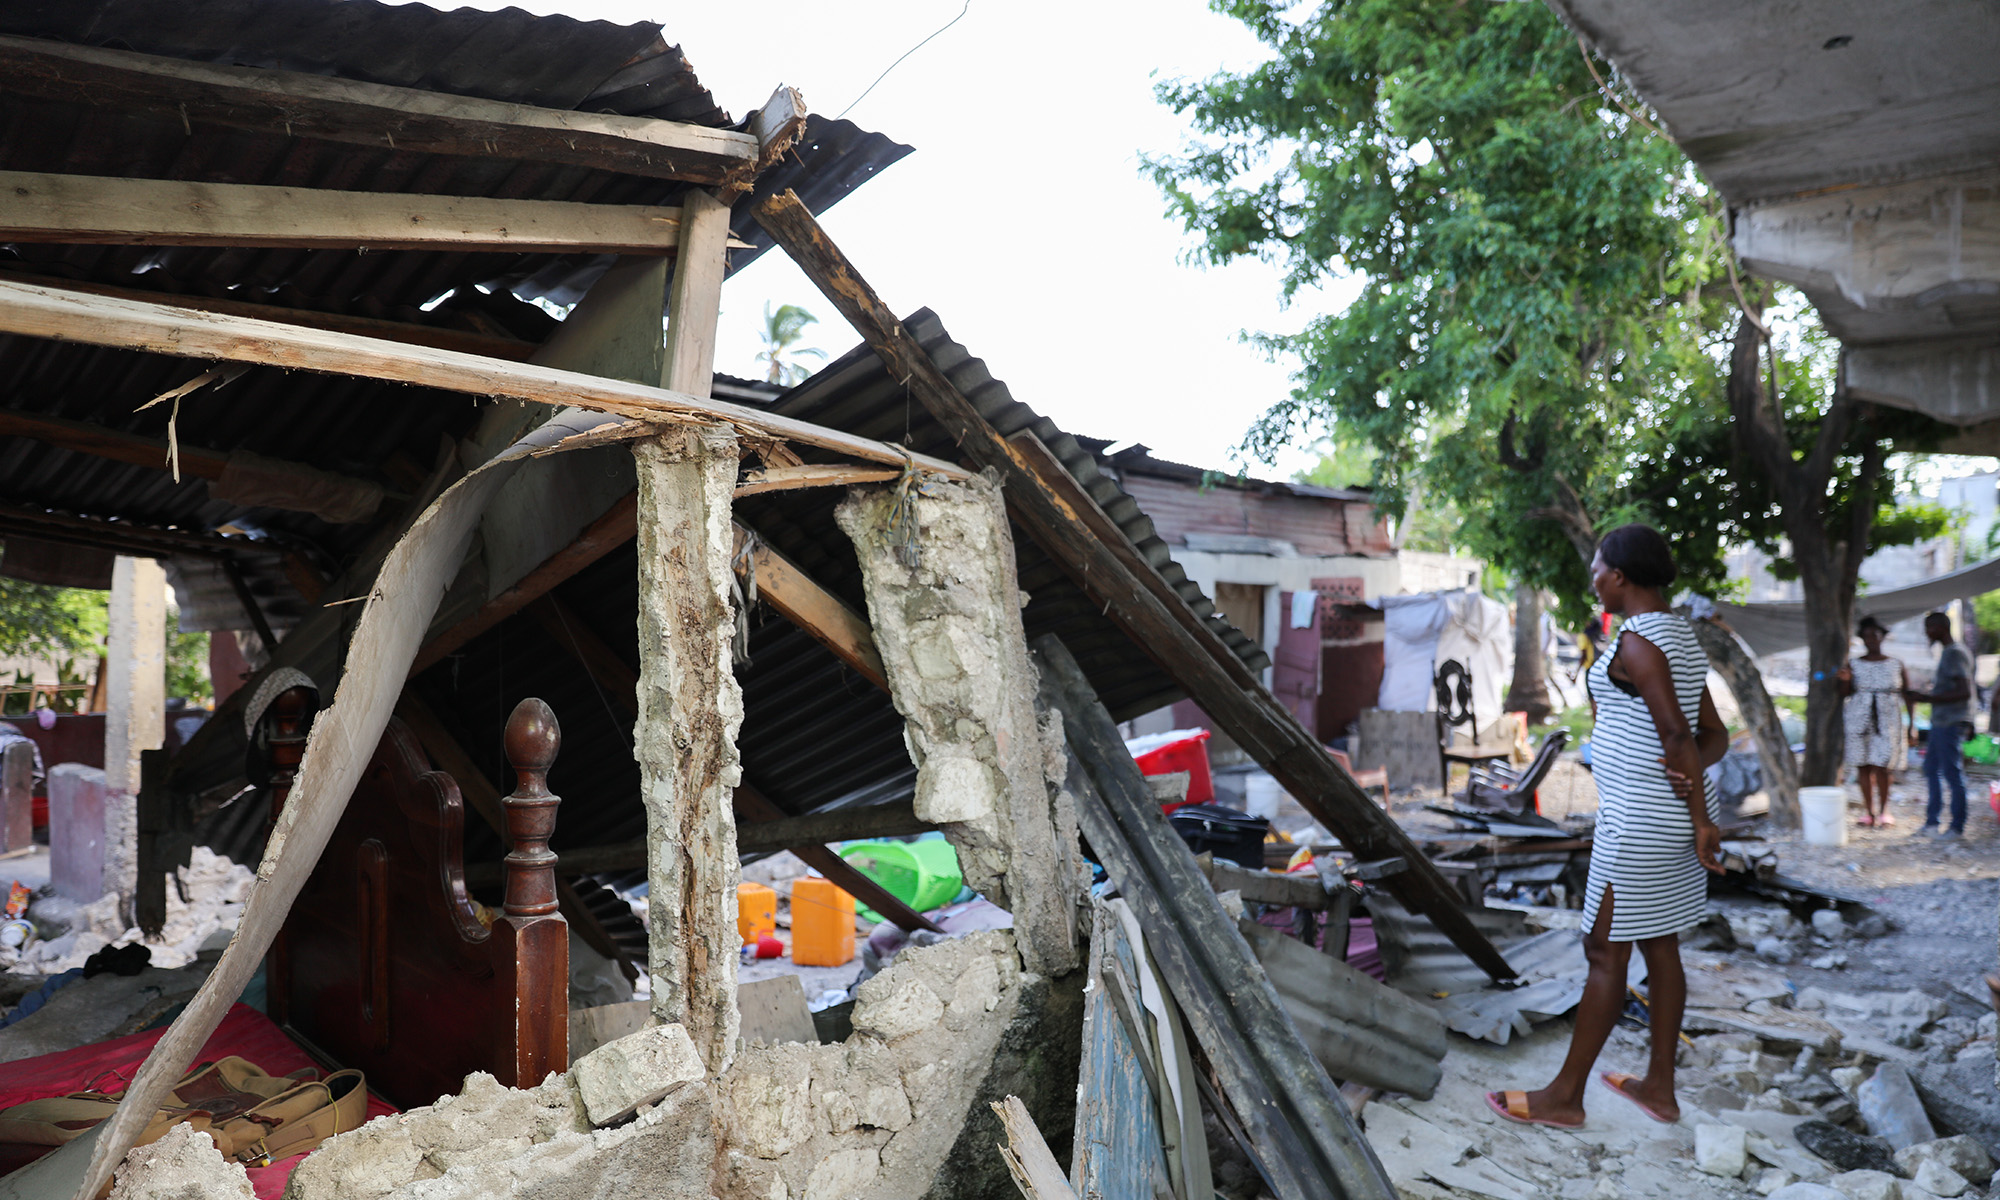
<point>296,104</point>
<point>98,210</point>
<point>60,314</point>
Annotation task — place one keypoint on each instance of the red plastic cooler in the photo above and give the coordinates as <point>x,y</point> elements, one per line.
<point>1176,750</point>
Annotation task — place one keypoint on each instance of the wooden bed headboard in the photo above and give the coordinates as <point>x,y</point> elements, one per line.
<point>385,963</point>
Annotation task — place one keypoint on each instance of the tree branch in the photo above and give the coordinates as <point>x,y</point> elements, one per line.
<point>1761,438</point>
<point>1537,449</point>
<point>1569,513</point>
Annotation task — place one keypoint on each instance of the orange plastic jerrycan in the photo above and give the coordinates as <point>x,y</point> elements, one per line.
<point>756,912</point>
<point>822,924</point>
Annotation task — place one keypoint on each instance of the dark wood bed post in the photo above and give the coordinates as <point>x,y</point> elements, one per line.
<point>530,938</point>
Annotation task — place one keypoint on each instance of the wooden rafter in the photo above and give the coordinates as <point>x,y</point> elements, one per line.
<point>443,338</point>
<point>36,310</point>
<point>826,617</point>
<point>295,104</point>
<point>89,209</point>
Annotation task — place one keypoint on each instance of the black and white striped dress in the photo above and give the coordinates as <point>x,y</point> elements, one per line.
<point>1644,845</point>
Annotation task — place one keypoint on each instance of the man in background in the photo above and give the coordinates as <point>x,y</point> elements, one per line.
<point>1951,721</point>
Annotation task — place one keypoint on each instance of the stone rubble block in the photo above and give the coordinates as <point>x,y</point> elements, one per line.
<point>1865,1185</point>
<point>1962,1154</point>
<point>897,1009</point>
<point>181,1165</point>
<point>1807,1191</point>
<point>1828,924</point>
<point>640,1068</point>
<point>1769,1180</point>
<point>1720,1149</point>
<point>1939,1180</point>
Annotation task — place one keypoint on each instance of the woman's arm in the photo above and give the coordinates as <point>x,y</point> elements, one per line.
<point>1647,670</point>
<point>1711,734</point>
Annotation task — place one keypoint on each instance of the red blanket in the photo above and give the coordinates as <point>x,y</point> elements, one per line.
<point>109,1066</point>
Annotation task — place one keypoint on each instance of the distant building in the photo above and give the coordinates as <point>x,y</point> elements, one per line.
<point>1293,566</point>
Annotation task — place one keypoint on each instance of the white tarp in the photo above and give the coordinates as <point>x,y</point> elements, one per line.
<point>1776,628</point>
<point>1422,631</point>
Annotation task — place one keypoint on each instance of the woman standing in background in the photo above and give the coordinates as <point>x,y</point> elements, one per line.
<point>1656,839</point>
<point>1875,716</point>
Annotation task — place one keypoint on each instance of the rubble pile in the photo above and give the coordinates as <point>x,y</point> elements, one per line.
<point>209,898</point>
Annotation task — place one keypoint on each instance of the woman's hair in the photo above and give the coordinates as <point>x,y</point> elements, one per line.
<point>1640,552</point>
<point>1871,622</point>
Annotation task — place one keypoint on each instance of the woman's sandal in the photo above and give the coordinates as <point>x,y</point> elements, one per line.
<point>1865,819</point>
<point>1513,1106</point>
<point>1617,1084</point>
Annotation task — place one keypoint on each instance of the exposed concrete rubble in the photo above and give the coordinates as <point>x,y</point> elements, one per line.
<point>616,1080</point>
<point>497,1141</point>
<point>215,889</point>
<point>944,604</point>
<point>182,1165</point>
<point>882,1114</point>
<point>690,707</point>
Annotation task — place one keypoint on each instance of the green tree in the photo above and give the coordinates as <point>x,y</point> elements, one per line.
<point>40,621</point>
<point>187,662</point>
<point>1547,334</point>
<point>784,328</point>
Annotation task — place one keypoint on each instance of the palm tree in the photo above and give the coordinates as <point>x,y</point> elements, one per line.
<point>783,329</point>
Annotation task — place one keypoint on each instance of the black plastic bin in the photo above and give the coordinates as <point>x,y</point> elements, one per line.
<point>1224,832</point>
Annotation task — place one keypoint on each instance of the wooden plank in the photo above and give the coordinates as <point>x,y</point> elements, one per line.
<point>96,210</point>
<point>145,541</point>
<point>695,296</point>
<point>1028,1159</point>
<point>1112,575</point>
<point>442,337</point>
<point>1264,887</point>
<point>599,538</point>
<point>780,479</point>
<point>751,805</point>
<point>1305,1141</point>
<point>59,314</point>
<point>775,1010</point>
<point>803,602</point>
<point>296,104</point>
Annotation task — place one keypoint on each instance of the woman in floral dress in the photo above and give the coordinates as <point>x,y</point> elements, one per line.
<point>1875,719</point>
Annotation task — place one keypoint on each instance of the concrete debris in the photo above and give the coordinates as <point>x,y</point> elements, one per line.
<point>1720,1150</point>
<point>1939,1180</point>
<point>1807,1191</point>
<point>215,889</point>
<point>1865,1185</point>
<point>614,1081</point>
<point>1891,1109</point>
<point>1845,1149</point>
<point>1961,1154</point>
<point>181,1165</point>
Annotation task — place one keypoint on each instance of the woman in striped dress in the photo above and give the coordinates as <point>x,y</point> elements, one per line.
<point>1657,730</point>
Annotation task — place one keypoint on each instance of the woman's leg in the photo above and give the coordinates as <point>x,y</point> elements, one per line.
<point>1603,1000</point>
<point>1666,1000</point>
<point>1870,778</point>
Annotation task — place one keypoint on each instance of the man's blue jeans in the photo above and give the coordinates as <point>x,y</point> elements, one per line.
<point>1941,764</point>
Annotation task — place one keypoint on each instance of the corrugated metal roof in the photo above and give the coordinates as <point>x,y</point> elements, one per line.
<point>351,426</point>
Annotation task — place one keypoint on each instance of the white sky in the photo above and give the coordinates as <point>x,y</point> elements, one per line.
<point>1021,218</point>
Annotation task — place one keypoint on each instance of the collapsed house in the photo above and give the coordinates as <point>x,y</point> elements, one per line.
<point>537,606</point>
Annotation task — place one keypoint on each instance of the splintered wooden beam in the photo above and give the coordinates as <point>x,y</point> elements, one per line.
<point>90,210</point>
<point>782,479</point>
<point>802,601</point>
<point>442,337</point>
<point>1188,651</point>
<point>296,104</point>
<point>59,314</point>
<point>95,440</point>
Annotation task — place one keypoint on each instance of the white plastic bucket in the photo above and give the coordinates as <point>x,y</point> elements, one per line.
<point>1262,795</point>
<point>1824,811</point>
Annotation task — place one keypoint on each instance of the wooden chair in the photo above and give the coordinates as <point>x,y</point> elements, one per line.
<point>1498,788</point>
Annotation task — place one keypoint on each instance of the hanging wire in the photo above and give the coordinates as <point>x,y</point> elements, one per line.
<point>899,61</point>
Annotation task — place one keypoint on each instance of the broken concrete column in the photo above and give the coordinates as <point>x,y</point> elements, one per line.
<point>615,1080</point>
<point>945,605</point>
<point>689,710</point>
<point>136,699</point>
